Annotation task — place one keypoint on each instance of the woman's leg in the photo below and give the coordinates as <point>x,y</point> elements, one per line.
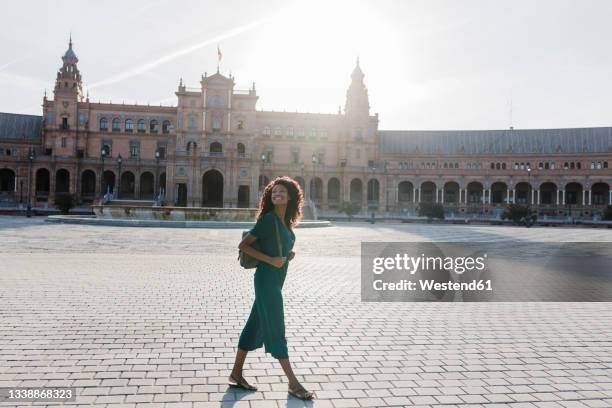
<point>239,363</point>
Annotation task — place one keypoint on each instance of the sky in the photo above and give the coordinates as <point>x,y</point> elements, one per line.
<point>431,64</point>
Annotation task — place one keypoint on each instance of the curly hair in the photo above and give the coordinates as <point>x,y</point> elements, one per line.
<point>295,202</point>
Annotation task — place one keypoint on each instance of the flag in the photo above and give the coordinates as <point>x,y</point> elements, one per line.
<point>219,55</point>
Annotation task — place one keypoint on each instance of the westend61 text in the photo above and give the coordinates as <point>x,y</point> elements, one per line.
<point>404,284</point>
<point>412,264</point>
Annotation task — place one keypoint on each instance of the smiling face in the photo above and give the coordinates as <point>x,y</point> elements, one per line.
<point>280,195</point>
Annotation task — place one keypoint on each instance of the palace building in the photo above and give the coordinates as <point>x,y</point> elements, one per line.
<point>215,149</point>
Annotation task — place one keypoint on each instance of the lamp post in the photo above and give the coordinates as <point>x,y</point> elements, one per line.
<point>31,156</point>
<point>261,175</point>
<point>119,161</point>
<point>157,156</point>
<point>528,220</point>
<point>313,184</point>
<point>103,154</point>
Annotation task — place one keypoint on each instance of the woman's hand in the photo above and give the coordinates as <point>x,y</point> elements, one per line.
<point>278,262</point>
<point>291,256</point>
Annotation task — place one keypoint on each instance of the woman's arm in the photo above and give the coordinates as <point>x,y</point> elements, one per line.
<point>245,246</point>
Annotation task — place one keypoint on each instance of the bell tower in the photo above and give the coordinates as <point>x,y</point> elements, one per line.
<point>357,101</point>
<point>68,90</point>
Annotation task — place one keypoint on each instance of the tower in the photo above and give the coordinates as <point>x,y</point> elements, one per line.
<point>357,101</point>
<point>68,91</point>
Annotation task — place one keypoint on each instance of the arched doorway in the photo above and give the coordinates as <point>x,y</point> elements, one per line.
<point>405,192</point>
<point>600,192</point>
<point>88,186</point>
<point>356,190</point>
<point>62,181</point>
<point>428,192</point>
<point>522,192</point>
<point>212,189</point>
<point>42,183</point>
<point>128,186</point>
<point>333,192</point>
<point>243,196</point>
<point>499,189</point>
<point>548,193</point>
<point>573,193</point>
<point>451,192</point>
<point>108,182</point>
<point>7,181</point>
<point>147,183</point>
<point>316,190</point>
<point>373,192</point>
<point>474,192</point>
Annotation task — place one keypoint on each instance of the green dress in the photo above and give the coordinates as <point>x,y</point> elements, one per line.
<point>266,323</point>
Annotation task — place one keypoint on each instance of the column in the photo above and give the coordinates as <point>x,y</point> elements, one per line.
<point>437,191</point>
<point>563,197</point>
<point>583,196</point>
<point>532,196</point>
<point>557,197</point>
<point>442,195</point>
<point>507,196</point>
<point>590,192</point>
<point>489,196</point>
<point>538,196</point>
<point>513,196</point>
<point>484,201</point>
<point>610,197</point>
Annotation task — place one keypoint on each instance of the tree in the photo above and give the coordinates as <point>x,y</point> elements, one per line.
<point>518,214</point>
<point>350,208</point>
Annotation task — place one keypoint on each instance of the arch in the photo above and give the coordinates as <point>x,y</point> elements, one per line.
<point>142,127</point>
<point>147,184</point>
<point>88,185</point>
<point>216,148</point>
<point>600,192</point>
<point>573,193</point>
<point>241,149</point>
<point>153,126</point>
<point>129,125</point>
<point>474,192</point>
<point>212,189</point>
<point>62,181</point>
<point>127,186</point>
<point>499,191</point>
<point>108,182</point>
<point>451,192</point>
<point>333,191</point>
<point>42,183</point>
<point>548,193</point>
<point>405,192</point>
<point>103,124</point>
<point>7,181</point>
<point>356,190</point>
<point>316,189</point>
<point>428,192</point>
<point>522,192</point>
<point>116,125</point>
<point>166,126</point>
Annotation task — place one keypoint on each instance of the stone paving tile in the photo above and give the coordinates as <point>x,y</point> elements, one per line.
<point>150,317</point>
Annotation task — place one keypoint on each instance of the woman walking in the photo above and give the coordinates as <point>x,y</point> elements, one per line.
<point>280,208</point>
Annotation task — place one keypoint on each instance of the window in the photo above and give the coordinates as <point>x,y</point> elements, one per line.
<point>277,131</point>
<point>240,125</point>
<point>162,152</point>
<point>456,165</point>
<point>313,133</point>
<point>129,125</point>
<point>445,165</point>
<point>323,134</point>
<point>552,165</point>
<point>166,126</point>
<point>116,125</point>
<point>64,123</point>
<point>578,165</point>
<point>546,165</point>
<point>516,166</point>
<point>153,126</point>
<point>605,165</point>
<point>493,165</point>
<point>141,126</point>
<point>134,150</point>
<point>540,165</point>
<point>357,154</point>
<point>104,124</point>
<point>268,155</point>
<point>63,142</point>
<point>289,131</point>
<point>503,166</point>
<point>216,122</point>
<point>240,150</point>
<point>295,157</point>
<point>301,132</point>
<point>216,149</point>
<point>572,165</point>
<point>267,131</point>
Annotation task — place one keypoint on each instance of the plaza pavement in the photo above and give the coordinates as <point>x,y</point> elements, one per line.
<point>151,316</point>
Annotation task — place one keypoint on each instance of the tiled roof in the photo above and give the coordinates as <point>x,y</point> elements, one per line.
<point>23,127</point>
<point>521,141</point>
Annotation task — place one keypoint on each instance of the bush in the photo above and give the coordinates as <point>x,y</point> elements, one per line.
<point>350,208</point>
<point>64,202</point>
<point>518,214</point>
<point>431,210</point>
<point>607,213</point>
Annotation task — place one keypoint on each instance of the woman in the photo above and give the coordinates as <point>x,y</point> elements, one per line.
<point>280,207</point>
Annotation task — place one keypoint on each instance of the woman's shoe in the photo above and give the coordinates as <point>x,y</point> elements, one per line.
<point>301,393</point>
<point>240,383</point>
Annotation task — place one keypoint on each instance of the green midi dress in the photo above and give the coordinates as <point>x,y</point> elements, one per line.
<point>266,323</point>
